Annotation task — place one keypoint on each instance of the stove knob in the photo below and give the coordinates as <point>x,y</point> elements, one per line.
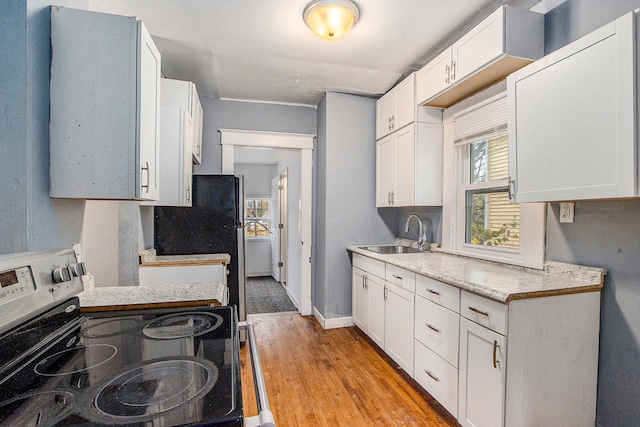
<point>78,269</point>
<point>61,274</point>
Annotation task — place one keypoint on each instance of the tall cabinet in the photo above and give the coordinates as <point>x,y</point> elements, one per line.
<point>408,149</point>
<point>105,107</point>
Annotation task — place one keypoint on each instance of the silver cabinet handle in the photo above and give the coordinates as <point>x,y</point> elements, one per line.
<point>385,292</point>
<point>148,176</point>
<point>389,198</point>
<point>495,351</point>
<point>432,376</point>
<point>188,194</point>
<point>397,277</point>
<point>431,291</point>
<point>453,70</point>
<point>475,310</point>
<point>447,74</point>
<point>432,328</point>
<point>511,189</point>
<point>393,197</point>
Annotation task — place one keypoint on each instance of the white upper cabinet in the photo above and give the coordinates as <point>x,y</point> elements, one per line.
<point>397,108</point>
<point>505,41</point>
<point>573,118</point>
<point>105,107</point>
<point>182,94</point>
<point>409,165</point>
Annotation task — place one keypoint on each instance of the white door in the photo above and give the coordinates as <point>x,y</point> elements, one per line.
<point>360,302</point>
<point>385,171</point>
<point>283,227</point>
<point>275,229</point>
<point>481,381</point>
<point>404,166</point>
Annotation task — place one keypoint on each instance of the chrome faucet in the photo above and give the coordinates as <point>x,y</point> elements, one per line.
<point>422,237</point>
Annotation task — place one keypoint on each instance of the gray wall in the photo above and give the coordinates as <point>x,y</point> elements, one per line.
<point>604,234</point>
<point>257,178</point>
<point>223,114</point>
<point>29,219</point>
<point>345,211</point>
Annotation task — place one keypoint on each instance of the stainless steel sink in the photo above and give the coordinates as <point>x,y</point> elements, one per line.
<point>390,249</point>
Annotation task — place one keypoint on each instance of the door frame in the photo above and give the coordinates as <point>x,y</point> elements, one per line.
<point>230,138</point>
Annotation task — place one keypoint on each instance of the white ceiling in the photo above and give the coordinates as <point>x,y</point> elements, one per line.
<point>262,50</point>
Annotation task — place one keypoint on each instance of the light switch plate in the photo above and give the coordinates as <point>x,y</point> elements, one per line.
<point>567,211</point>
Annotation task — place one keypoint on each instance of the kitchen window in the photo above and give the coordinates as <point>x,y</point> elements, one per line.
<point>482,222</point>
<point>257,218</point>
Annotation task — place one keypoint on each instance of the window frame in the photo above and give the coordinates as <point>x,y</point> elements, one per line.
<point>249,219</point>
<point>456,158</point>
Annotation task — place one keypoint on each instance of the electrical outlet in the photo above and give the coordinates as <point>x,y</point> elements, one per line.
<point>566,211</point>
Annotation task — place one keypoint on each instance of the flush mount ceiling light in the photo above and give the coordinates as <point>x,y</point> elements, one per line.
<point>331,19</point>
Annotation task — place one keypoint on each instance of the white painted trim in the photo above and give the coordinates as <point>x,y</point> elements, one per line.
<point>339,322</point>
<point>257,101</point>
<point>249,138</point>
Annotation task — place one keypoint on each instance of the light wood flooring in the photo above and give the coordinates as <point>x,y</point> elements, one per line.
<point>335,377</point>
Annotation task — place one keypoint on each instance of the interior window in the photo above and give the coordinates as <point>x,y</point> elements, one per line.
<point>481,221</point>
<point>257,215</point>
<point>490,220</point>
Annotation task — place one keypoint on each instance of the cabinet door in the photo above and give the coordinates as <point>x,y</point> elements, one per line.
<point>360,303</point>
<point>481,382</point>
<point>385,111</point>
<point>385,171</point>
<point>572,120</point>
<point>404,188</point>
<point>405,102</point>
<point>398,330</point>
<point>376,329</point>
<point>187,159</point>
<point>479,46</point>
<point>198,115</point>
<point>433,77</point>
<point>149,115</point>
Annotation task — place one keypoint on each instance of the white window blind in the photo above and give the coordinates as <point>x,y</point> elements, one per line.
<point>487,120</point>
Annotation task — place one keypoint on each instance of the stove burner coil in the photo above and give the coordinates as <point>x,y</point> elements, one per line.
<point>57,364</point>
<point>153,389</point>
<point>182,325</point>
<point>45,409</point>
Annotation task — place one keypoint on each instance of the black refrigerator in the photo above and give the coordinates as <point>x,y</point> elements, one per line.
<point>214,224</point>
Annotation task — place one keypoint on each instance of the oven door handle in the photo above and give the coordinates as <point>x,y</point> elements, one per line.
<point>265,416</point>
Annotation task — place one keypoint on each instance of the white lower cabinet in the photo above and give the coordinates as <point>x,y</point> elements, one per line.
<point>398,325</point>
<point>481,382</point>
<point>527,363</point>
<point>437,376</point>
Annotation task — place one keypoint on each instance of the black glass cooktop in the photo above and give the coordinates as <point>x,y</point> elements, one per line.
<point>137,368</point>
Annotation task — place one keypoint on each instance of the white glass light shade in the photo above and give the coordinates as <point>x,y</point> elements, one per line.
<point>331,19</point>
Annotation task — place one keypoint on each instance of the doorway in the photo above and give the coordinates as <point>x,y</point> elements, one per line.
<point>297,271</point>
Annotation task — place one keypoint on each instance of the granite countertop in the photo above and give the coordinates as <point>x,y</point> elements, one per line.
<point>148,258</point>
<point>157,294</point>
<point>499,282</point>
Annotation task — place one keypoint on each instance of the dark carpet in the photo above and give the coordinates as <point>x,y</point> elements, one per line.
<point>265,295</point>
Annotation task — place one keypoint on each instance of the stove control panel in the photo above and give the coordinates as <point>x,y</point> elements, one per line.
<point>32,282</point>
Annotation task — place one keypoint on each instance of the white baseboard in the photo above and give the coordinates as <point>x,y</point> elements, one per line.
<point>259,273</point>
<point>292,298</point>
<point>339,322</point>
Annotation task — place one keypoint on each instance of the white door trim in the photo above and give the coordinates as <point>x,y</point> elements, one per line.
<point>230,138</point>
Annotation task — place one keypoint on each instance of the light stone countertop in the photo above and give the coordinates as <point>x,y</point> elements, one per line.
<point>499,282</point>
<point>157,294</point>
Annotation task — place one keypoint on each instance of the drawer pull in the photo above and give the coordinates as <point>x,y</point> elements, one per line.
<point>475,310</point>
<point>397,277</point>
<point>432,376</point>
<point>432,328</point>
<point>495,351</point>
<point>431,291</point>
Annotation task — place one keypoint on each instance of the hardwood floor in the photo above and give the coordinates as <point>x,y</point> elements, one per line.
<point>334,377</point>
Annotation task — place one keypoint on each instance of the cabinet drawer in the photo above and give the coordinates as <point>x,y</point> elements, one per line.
<point>401,277</point>
<point>438,328</point>
<point>485,312</point>
<point>438,292</point>
<point>369,265</point>
<point>437,376</point>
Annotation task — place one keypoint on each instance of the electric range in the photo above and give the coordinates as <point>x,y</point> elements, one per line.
<point>148,367</point>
